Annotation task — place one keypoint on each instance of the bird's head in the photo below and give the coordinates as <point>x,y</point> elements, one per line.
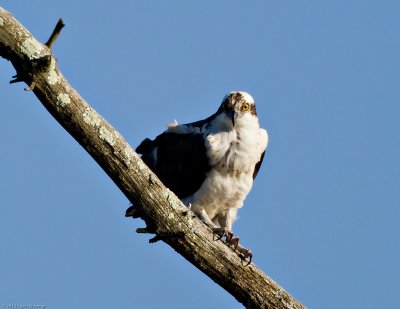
<point>238,105</point>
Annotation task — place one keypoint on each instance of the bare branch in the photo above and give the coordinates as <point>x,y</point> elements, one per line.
<point>164,214</point>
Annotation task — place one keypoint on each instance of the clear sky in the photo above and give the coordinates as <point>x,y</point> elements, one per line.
<point>323,216</point>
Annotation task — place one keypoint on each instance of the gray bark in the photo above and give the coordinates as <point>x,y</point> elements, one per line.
<point>162,211</point>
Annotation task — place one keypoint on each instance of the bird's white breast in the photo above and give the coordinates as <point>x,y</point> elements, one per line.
<point>233,153</point>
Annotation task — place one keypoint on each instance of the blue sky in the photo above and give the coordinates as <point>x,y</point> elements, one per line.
<point>323,216</point>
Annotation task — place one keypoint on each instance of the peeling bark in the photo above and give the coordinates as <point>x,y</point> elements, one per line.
<point>162,211</point>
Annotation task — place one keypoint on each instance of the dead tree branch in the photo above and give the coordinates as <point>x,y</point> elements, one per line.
<point>163,213</point>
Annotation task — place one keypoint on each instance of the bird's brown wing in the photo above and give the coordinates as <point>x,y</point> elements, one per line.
<point>179,160</point>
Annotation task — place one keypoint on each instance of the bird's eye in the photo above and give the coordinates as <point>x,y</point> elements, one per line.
<point>245,107</point>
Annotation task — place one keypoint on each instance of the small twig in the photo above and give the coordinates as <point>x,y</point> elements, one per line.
<point>144,230</point>
<point>55,34</point>
<point>166,236</point>
<point>16,79</point>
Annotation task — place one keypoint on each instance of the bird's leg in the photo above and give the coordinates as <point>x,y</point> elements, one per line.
<point>201,213</point>
<point>219,231</point>
<point>224,231</point>
<point>225,220</point>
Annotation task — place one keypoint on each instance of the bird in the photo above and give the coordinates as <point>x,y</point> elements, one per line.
<point>211,164</point>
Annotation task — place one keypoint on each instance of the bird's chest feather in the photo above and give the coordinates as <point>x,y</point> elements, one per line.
<point>234,152</point>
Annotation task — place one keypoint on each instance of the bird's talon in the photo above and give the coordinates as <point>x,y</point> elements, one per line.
<point>245,255</point>
<point>233,241</point>
<point>217,236</point>
<point>229,237</point>
<point>221,232</point>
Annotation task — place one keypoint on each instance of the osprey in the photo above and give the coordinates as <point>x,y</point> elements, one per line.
<point>211,164</point>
